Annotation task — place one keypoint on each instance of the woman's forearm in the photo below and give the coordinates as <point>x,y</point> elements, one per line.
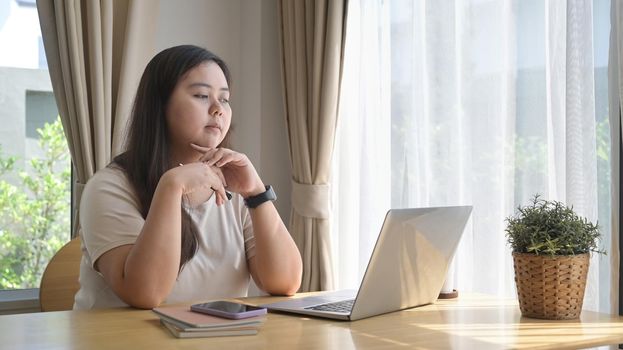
<point>278,262</point>
<point>152,264</point>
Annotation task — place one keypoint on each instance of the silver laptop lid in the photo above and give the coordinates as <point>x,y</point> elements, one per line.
<point>410,259</point>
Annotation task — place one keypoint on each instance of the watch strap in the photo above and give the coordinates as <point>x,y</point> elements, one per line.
<point>254,201</point>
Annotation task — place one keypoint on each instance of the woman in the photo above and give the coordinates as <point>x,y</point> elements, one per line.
<point>157,224</point>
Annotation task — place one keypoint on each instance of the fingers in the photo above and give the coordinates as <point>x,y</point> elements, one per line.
<point>221,195</point>
<point>223,157</point>
<point>208,156</point>
<point>208,153</point>
<point>219,173</point>
<point>201,181</point>
<point>221,199</point>
<point>219,156</point>
<point>212,157</point>
<point>219,188</point>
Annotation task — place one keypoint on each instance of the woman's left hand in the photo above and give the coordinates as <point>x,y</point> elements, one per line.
<point>240,174</point>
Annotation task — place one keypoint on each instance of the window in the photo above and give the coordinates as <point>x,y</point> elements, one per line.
<point>34,157</point>
<point>479,102</point>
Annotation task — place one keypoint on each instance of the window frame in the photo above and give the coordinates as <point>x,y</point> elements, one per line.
<point>17,301</point>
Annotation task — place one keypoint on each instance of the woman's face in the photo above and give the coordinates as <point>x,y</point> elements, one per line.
<point>198,110</point>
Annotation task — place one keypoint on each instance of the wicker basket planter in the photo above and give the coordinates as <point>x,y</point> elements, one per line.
<point>551,287</point>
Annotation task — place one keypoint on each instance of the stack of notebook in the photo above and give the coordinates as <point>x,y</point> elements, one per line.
<point>183,323</point>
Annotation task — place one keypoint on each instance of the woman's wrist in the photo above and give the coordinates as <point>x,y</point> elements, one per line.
<point>257,189</point>
<point>170,182</point>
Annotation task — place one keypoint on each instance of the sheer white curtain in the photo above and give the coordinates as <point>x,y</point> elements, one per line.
<point>480,102</point>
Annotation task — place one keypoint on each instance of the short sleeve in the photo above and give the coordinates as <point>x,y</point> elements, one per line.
<point>247,231</point>
<point>109,213</point>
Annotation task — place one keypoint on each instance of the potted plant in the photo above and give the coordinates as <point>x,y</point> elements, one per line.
<point>551,247</point>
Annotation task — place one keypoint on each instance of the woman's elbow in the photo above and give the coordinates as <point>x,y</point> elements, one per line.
<point>143,299</point>
<point>284,289</point>
<point>145,303</point>
<point>284,286</point>
<point>292,290</point>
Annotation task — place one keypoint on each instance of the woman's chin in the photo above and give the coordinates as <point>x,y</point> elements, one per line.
<point>207,143</point>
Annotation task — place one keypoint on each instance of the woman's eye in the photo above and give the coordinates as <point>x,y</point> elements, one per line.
<point>203,97</point>
<point>224,100</point>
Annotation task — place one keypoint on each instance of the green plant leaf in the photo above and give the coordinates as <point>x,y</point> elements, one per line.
<point>547,227</point>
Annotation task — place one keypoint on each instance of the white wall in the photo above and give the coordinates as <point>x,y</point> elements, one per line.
<point>20,36</point>
<point>15,84</point>
<point>244,34</point>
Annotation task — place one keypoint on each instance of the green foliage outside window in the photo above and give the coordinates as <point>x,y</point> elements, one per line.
<point>34,216</point>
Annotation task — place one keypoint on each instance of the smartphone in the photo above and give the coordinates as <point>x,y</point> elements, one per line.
<point>228,309</point>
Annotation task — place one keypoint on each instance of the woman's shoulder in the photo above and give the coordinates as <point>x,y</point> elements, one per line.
<point>110,181</point>
<point>110,175</point>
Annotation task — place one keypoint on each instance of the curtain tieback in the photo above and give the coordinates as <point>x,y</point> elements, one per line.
<point>310,200</point>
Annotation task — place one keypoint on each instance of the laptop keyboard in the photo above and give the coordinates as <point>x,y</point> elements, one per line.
<point>344,306</point>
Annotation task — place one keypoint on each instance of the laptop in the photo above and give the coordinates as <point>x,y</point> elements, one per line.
<point>407,267</point>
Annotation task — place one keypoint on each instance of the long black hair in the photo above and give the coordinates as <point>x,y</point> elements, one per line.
<point>146,157</point>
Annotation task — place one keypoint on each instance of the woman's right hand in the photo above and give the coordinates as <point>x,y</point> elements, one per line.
<point>198,181</point>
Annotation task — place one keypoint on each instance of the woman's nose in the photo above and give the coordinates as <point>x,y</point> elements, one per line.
<point>215,110</point>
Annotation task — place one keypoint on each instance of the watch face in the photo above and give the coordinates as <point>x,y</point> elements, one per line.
<point>270,193</point>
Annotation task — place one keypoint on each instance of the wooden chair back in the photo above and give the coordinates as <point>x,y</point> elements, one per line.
<point>59,282</point>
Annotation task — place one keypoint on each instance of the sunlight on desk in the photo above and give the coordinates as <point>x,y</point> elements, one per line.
<point>500,322</point>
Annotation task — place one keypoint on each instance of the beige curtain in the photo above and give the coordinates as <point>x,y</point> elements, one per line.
<point>312,42</point>
<point>96,52</point>
<point>615,90</point>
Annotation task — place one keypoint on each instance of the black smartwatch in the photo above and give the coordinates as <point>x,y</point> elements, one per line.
<point>254,201</point>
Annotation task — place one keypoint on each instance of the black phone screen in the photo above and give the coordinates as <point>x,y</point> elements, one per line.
<point>229,306</point>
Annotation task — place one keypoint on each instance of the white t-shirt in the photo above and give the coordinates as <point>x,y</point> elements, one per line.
<point>109,218</point>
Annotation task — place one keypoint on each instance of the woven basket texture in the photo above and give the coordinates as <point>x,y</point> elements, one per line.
<point>551,287</point>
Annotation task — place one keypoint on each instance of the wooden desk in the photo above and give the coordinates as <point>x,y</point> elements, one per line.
<point>470,322</point>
